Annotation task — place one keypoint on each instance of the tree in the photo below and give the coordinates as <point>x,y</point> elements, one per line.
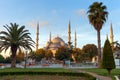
<point>77,53</point>
<point>40,53</point>
<point>15,38</point>
<point>90,50</point>
<point>63,53</point>
<point>48,54</point>
<point>20,56</point>
<point>97,15</point>
<point>32,55</point>
<point>8,60</point>
<point>107,58</point>
<point>1,59</point>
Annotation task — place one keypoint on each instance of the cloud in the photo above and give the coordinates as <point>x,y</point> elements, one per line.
<point>32,24</point>
<point>41,23</point>
<point>44,23</point>
<point>81,12</point>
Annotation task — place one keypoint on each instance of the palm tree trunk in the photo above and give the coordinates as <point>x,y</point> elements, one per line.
<point>99,48</point>
<point>13,61</point>
<point>13,56</point>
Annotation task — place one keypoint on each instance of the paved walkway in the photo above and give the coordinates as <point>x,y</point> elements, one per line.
<point>99,77</point>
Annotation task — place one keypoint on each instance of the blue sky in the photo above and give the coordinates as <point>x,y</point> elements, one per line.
<point>54,15</point>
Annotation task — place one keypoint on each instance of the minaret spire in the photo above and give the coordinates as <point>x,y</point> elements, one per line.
<point>111,35</point>
<point>50,37</point>
<point>69,36</point>
<point>106,36</point>
<point>75,42</point>
<point>37,36</point>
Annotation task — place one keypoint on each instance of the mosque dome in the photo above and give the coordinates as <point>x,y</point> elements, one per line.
<point>58,40</point>
<point>55,43</point>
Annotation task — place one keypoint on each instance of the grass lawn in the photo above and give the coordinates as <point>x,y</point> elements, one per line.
<point>103,72</point>
<point>42,74</point>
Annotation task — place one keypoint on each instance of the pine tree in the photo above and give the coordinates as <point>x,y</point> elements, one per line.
<point>108,62</point>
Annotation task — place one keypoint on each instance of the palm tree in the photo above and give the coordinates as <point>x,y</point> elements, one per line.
<point>15,38</point>
<point>97,15</point>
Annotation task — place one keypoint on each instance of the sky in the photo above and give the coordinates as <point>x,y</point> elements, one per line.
<point>54,15</point>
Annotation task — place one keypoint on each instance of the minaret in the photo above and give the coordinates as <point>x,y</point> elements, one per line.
<point>37,36</point>
<point>111,35</point>
<point>75,42</point>
<point>106,36</point>
<point>69,36</point>
<point>50,37</point>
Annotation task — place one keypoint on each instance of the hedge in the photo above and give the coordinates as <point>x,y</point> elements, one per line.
<point>48,73</point>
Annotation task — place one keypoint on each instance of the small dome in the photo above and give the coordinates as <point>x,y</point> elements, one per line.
<point>48,43</point>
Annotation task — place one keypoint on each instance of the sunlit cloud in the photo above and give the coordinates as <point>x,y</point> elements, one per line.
<point>44,23</point>
<point>32,24</point>
<point>81,12</point>
<point>41,23</point>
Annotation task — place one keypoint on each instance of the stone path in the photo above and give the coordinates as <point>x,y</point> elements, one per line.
<point>99,77</point>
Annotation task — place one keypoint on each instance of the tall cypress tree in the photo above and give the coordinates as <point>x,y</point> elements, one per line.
<point>108,62</point>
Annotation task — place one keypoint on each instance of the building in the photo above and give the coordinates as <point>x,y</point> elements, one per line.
<point>55,43</point>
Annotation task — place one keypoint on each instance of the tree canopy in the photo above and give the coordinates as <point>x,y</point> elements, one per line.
<point>63,53</point>
<point>90,50</point>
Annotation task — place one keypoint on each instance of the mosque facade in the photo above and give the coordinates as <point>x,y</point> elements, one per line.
<point>57,42</point>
